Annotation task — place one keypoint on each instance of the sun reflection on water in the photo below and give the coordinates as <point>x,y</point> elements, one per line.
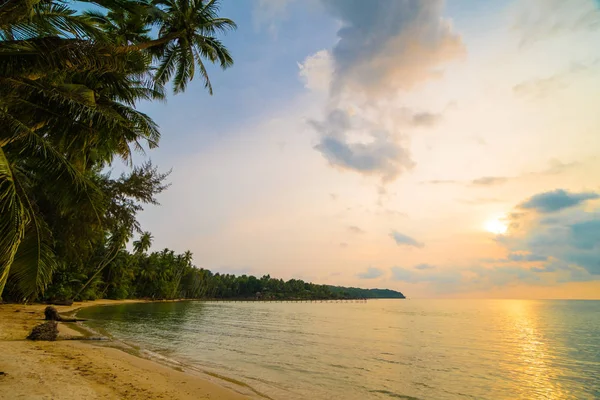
<point>532,371</point>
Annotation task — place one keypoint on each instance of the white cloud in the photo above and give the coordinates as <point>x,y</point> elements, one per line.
<point>269,13</point>
<point>384,47</point>
<point>316,71</point>
<point>540,19</point>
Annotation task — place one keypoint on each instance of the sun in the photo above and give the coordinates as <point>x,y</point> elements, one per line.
<point>496,226</point>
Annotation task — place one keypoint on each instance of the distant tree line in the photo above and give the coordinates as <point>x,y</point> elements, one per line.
<point>166,275</point>
<point>354,293</point>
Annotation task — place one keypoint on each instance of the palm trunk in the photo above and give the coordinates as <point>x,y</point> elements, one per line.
<point>100,268</point>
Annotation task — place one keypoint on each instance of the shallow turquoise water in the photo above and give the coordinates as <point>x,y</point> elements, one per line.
<point>384,349</point>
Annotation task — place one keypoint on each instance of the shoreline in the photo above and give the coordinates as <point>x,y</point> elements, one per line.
<point>76,369</point>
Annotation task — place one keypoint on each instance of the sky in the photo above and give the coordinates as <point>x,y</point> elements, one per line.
<point>440,148</point>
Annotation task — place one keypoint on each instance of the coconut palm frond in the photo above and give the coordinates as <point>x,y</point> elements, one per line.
<point>49,18</point>
<point>12,221</point>
<point>34,261</point>
<point>37,58</point>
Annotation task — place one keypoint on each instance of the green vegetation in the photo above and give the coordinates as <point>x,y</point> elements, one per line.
<point>69,85</point>
<point>70,82</point>
<point>353,293</point>
<point>166,275</point>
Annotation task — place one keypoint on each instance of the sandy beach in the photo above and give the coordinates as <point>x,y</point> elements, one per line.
<point>78,369</point>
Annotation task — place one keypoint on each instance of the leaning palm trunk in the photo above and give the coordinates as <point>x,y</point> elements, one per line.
<point>112,254</point>
<point>176,283</point>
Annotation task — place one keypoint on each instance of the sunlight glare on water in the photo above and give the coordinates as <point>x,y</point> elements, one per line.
<point>384,349</point>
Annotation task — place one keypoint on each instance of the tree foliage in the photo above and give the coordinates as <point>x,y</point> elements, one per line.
<point>166,275</point>
<point>70,83</point>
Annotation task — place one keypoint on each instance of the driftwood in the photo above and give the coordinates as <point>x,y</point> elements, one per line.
<point>46,331</point>
<point>51,314</point>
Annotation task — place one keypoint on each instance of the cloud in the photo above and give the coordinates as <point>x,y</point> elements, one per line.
<point>343,245</point>
<point>540,19</point>
<point>570,238</point>
<point>438,277</point>
<point>268,13</point>
<point>380,155</point>
<point>557,200</point>
<point>541,87</point>
<point>424,266</point>
<point>355,229</point>
<point>383,47</point>
<point>402,239</point>
<point>489,181</point>
<point>557,167</point>
<point>527,257</point>
<point>316,71</point>
<point>486,277</point>
<point>370,273</point>
<point>586,235</point>
<point>441,182</point>
<point>426,119</point>
<point>388,45</point>
<point>403,274</point>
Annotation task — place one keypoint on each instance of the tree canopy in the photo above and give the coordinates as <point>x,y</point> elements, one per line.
<point>70,84</point>
<point>166,275</point>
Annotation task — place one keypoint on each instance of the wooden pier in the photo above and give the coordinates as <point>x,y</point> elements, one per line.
<point>286,300</point>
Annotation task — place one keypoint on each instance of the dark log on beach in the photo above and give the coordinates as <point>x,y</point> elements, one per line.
<point>52,314</point>
<point>46,331</point>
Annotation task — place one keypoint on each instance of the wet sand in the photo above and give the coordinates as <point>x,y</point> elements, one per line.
<point>79,369</point>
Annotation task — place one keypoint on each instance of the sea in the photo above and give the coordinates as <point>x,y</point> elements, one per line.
<point>379,349</point>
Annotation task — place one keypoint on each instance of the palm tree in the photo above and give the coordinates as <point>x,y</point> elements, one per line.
<point>25,244</point>
<point>54,128</point>
<point>186,37</point>
<point>23,19</point>
<point>69,84</point>
<point>143,244</point>
<point>187,257</point>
